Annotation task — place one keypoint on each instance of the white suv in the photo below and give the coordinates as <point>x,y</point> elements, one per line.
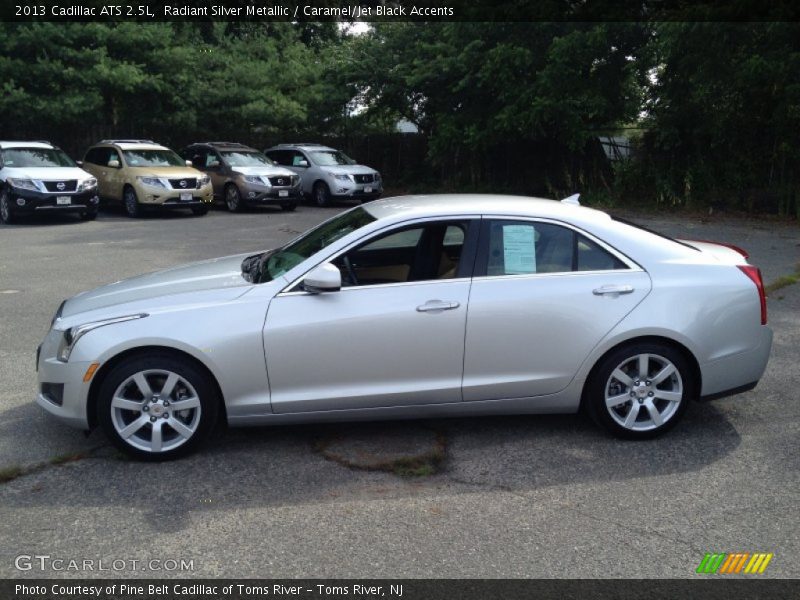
<point>37,177</point>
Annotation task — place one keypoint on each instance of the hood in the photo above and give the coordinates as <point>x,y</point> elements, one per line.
<point>47,173</point>
<point>169,172</point>
<point>217,273</point>
<point>263,170</point>
<point>349,169</point>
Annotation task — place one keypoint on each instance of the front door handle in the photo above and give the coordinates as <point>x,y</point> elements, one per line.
<point>437,306</point>
<point>613,290</point>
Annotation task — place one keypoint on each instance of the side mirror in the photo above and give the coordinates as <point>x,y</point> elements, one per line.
<point>188,163</point>
<point>324,278</point>
<point>302,163</point>
<point>79,163</point>
<point>113,164</point>
<point>214,165</point>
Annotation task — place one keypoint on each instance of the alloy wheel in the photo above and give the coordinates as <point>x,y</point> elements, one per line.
<point>232,198</point>
<point>644,392</point>
<point>155,410</point>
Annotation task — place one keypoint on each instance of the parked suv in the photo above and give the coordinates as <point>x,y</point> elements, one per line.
<point>141,173</point>
<point>243,176</point>
<point>326,173</point>
<point>37,177</point>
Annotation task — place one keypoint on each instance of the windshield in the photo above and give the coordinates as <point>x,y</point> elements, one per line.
<point>246,159</point>
<point>273,265</point>
<point>329,158</point>
<point>36,157</point>
<point>153,158</point>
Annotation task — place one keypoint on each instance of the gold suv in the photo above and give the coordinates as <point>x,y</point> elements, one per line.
<point>141,173</point>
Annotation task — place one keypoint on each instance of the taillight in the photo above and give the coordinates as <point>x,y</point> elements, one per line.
<point>754,273</point>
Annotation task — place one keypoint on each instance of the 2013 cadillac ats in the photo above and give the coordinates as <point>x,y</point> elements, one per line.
<point>413,307</point>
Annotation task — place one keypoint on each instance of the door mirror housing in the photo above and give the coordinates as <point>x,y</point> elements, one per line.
<point>302,163</point>
<point>113,164</point>
<point>188,163</point>
<point>77,162</point>
<point>324,278</point>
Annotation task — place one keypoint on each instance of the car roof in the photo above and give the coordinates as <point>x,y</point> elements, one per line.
<point>132,145</point>
<point>224,146</point>
<point>304,146</point>
<point>36,144</point>
<point>408,207</point>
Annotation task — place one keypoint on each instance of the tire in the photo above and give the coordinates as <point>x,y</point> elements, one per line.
<point>6,215</point>
<point>322,194</point>
<point>633,403</point>
<point>129,411</point>
<point>288,206</point>
<point>131,203</point>
<point>200,210</point>
<point>89,215</point>
<point>233,198</point>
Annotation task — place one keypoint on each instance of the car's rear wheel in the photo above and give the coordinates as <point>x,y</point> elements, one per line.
<point>6,216</point>
<point>233,198</point>
<point>157,407</point>
<point>322,194</point>
<point>132,207</point>
<point>641,390</point>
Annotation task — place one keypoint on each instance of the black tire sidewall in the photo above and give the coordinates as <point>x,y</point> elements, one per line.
<point>5,196</point>
<point>322,194</point>
<point>238,206</point>
<point>137,210</point>
<point>205,388</point>
<point>594,400</point>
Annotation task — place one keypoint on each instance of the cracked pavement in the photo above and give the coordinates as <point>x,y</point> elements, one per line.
<point>517,497</point>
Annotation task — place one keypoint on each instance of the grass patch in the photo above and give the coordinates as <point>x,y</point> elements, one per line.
<point>67,458</point>
<point>10,473</point>
<point>782,282</point>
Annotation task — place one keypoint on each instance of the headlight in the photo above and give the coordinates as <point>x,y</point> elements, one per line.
<point>152,181</point>
<point>203,181</point>
<point>340,177</point>
<point>23,184</point>
<point>253,179</point>
<point>73,334</point>
<point>88,184</point>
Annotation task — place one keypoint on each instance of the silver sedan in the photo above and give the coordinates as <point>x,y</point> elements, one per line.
<point>412,307</point>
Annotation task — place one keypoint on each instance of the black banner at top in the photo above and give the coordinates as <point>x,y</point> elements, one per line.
<point>398,10</point>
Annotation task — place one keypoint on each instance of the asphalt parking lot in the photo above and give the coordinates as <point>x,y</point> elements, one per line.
<point>513,497</point>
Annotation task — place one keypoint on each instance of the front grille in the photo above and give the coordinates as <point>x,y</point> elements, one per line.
<point>282,180</point>
<point>364,178</point>
<point>61,186</point>
<point>189,183</point>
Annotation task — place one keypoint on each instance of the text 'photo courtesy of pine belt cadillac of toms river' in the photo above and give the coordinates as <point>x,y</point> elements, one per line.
<point>414,307</point>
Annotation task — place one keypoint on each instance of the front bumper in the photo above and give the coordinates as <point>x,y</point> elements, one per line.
<point>357,191</point>
<point>41,202</point>
<point>157,196</point>
<point>52,372</point>
<point>255,195</point>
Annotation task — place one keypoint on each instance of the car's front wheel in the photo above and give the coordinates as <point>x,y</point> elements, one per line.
<point>132,207</point>
<point>641,390</point>
<point>322,194</point>
<point>157,407</point>
<point>233,198</point>
<point>6,216</point>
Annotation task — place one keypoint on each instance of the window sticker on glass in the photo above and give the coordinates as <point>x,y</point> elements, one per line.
<point>519,253</point>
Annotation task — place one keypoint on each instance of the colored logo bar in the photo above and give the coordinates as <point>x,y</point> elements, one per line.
<point>737,562</point>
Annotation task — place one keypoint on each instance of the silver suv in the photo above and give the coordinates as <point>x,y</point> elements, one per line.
<point>38,178</point>
<point>327,174</point>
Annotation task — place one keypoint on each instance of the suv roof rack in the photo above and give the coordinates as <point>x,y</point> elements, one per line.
<point>127,142</point>
<point>43,142</point>
<point>231,144</point>
<point>303,144</point>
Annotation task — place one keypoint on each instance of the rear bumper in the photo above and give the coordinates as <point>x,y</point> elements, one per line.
<point>738,372</point>
<point>38,202</point>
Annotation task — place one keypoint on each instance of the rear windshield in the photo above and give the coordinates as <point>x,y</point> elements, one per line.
<point>648,230</point>
<point>36,157</point>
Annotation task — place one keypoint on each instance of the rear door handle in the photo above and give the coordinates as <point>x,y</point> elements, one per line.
<point>437,306</point>
<point>613,290</point>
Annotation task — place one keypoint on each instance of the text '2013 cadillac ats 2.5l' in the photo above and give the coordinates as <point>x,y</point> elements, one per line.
<point>409,307</point>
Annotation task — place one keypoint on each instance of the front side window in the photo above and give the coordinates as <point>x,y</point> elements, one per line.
<point>525,248</point>
<point>274,264</point>
<point>431,251</point>
<point>36,157</point>
<point>152,158</point>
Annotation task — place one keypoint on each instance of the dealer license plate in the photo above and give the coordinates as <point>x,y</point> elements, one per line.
<point>368,189</point>
<point>186,196</point>
<point>283,193</point>
<point>63,200</point>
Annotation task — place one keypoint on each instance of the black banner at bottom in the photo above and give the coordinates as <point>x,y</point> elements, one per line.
<point>707,588</point>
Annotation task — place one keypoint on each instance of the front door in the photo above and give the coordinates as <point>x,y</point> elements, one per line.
<point>394,334</point>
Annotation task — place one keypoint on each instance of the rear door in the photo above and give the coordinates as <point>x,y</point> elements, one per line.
<point>543,296</point>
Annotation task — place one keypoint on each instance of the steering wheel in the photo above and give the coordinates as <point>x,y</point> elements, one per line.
<point>351,272</point>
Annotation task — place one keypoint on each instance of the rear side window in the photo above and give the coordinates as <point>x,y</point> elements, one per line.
<point>526,248</point>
